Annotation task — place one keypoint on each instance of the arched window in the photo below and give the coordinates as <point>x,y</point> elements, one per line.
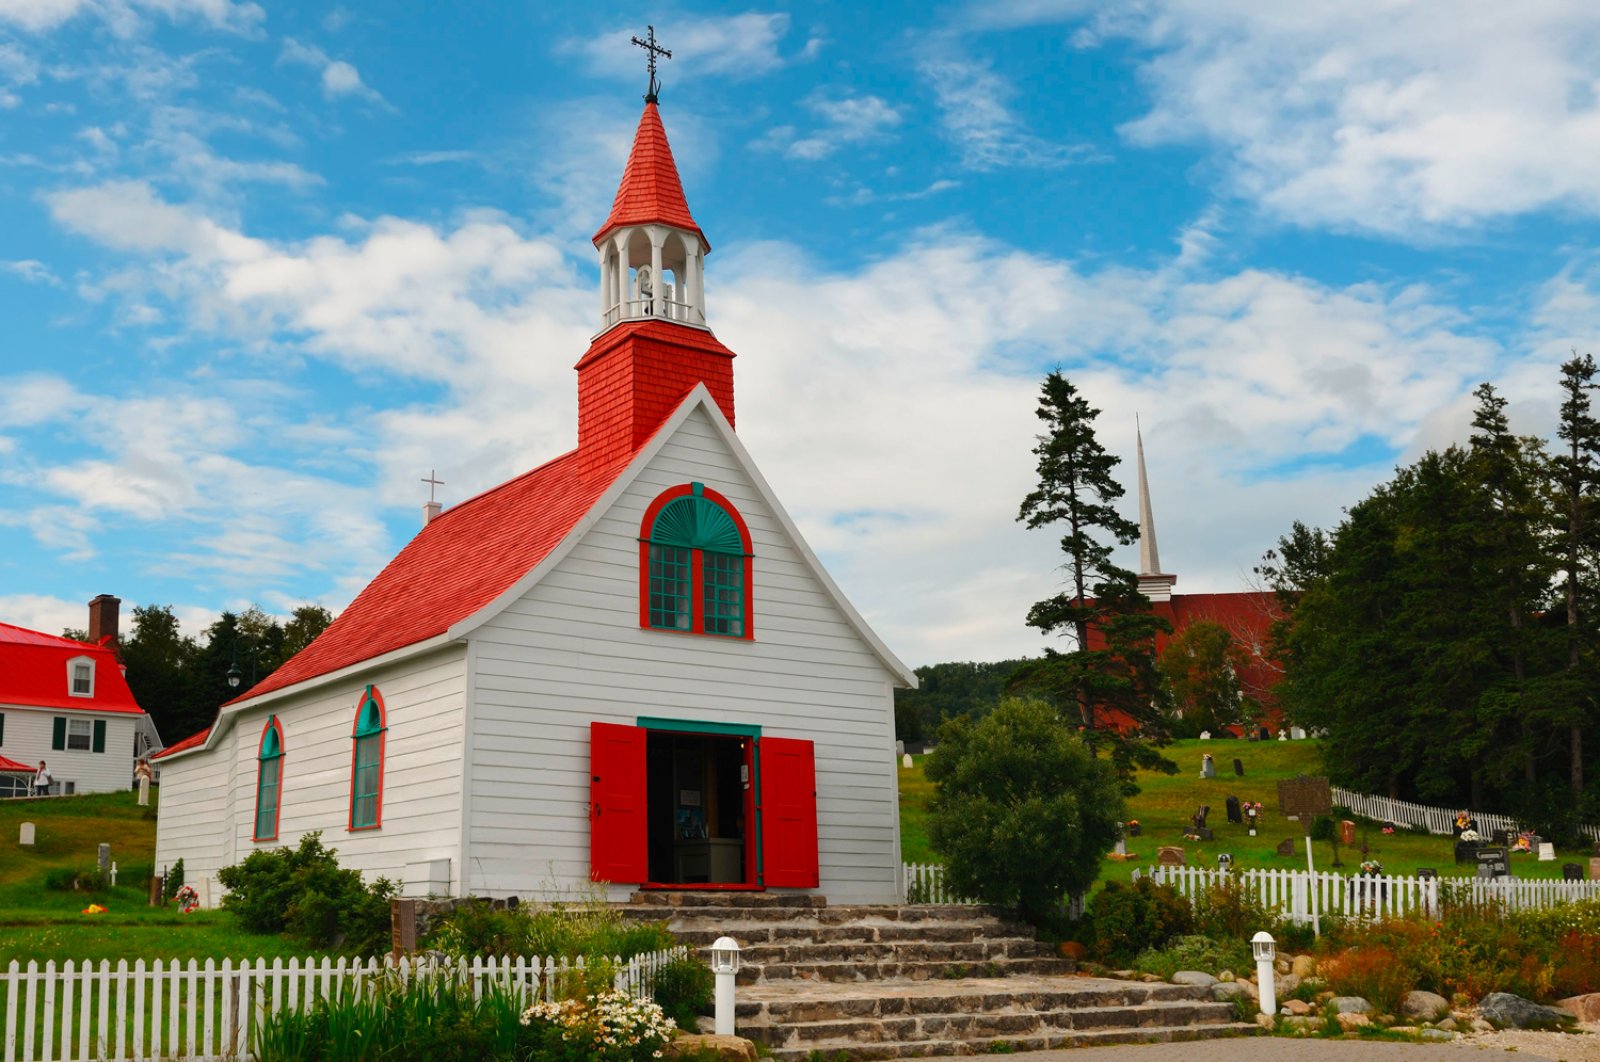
<point>695,564</point>
<point>269,780</point>
<point>366,763</point>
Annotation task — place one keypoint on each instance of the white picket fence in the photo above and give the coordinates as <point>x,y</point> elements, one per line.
<point>1293,892</point>
<point>142,1013</point>
<point>925,883</point>
<point>1440,821</point>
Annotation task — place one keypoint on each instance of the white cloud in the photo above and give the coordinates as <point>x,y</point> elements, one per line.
<point>976,114</point>
<point>33,271</point>
<point>1408,118</point>
<point>734,46</point>
<point>339,78</point>
<point>124,16</point>
<point>846,120</point>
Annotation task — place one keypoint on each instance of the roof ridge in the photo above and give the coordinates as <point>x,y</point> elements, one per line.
<point>485,492</point>
<point>64,642</point>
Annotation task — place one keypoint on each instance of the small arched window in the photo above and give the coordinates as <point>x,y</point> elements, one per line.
<point>366,763</point>
<point>269,780</point>
<point>695,564</point>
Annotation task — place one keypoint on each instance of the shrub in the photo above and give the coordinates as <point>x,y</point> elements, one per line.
<point>591,928</point>
<point>1023,812</point>
<point>1195,953</point>
<point>303,891</point>
<point>61,879</point>
<point>1372,972</point>
<point>173,882</point>
<point>603,1027</point>
<point>1129,919</point>
<point>1230,910</point>
<point>683,990</point>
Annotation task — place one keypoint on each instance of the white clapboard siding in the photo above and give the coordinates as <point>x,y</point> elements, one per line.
<point>1440,821</point>
<point>29,733</point>
<point>423,699</point>
<point>169,1010</point>
<point>571,652</point>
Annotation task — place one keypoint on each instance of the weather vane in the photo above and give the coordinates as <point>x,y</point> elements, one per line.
<point>652,49</point>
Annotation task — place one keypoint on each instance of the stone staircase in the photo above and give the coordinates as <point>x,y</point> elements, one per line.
<point>863,982</point>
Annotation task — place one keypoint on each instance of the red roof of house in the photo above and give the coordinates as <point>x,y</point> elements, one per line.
<point>13,767</point>
<point>187,743</point>
<point>650,188</point>
<point>468,556</point>
<point>33,673</point>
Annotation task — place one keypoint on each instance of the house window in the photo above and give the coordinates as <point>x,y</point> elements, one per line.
<point>269,780</point>
<point>80,677</point>
<point>695,564</point>
<point>366,769</point>
<point>80,735</point>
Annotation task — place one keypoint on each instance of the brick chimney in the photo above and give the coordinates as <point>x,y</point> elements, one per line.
<point>103,618</point>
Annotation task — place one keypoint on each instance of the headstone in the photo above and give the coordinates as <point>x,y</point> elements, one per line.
<point>1547,852</point>
<point>1208,768</point>
<point>1200,833</point>
<point>1427,872</point>
<point>1283,735</point>
<point>1224,860</point>
<point>1501,837</point>
<point>1494,862</point>
<point>899,748</point>
<point>1467,851</point>
<point>105,858</point>
<point>1205,735</point>
<point>1233,811</point>
<point>905,759</point>
<point>1266,735</point>
<point>27,834</point>
<point>1238,767</point>
<point>1122,848</point>
<point>1571,872</point>
<point>1594,869</point>
<point>1286,846</point>
<point>1298,733</point>
<point>1134,829</point>
<point>1169,856</point>
<point>1199,817</point>
<point>1347,832</point>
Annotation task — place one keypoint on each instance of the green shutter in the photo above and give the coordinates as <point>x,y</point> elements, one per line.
<point>59,740</point>
<point>2,729</point>
<point>99,735</point>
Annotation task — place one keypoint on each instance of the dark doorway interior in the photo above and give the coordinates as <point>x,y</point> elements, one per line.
<point>695,796</point>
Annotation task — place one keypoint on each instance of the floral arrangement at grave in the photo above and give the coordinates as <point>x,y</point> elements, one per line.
<point>1371,868</point>
<point>1252,814</point>
<point>1470,835</point>
<point>187,899</point>
<point>1388,827</point>
<point>605,1026</point>
<point>1523,843</point>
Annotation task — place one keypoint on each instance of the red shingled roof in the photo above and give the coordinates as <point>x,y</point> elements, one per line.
<point>13,767</point>
<point>33,673</point>
<point>468,556</point>
<point>650,188</point>
<point>187,743</point>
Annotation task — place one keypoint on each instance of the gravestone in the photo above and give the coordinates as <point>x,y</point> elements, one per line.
<point>899,748</point>
<point>1233,810</point>
<point>1224,860</point>
<point>1467,851</point>
<point>1347,832</point>
<point>1208,767</point>
<point>1238,767</point>
<point>1200,833</point>
<point>1494,862</point>
<point>1571,872</point>
<point>105,858</point>
<point>1134,829</point>
<point>1283,735</point>
<point>1427,873</point>
<point>1199,817</point>
<point>1121,848</point>
<point>1547,852</point>
<point>1170,856</point>
<point>1594,869</point>
<point>27,834</point>
<point>905,759</point>
<point>1501,837</point>
<point>1205,735</point>
<point>1286,847</point>
<point>1297,733</point>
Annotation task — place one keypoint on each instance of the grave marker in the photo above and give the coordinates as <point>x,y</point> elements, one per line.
<point>105,858</point>
<point>1208,767</point>
<point>1571,872</point>
<point>1494,862</point>
<point>1238,767</point>
<point>1224,860</point>
<point>1347,832</point>
<point>27,834</point>
<point>1286,847</point>
<point>905,760</point>
<point>1234,815</point>
<point>1170,856</point>
<point>1594,869</point>
<point>1427,873</point>
<point>1547,852</point>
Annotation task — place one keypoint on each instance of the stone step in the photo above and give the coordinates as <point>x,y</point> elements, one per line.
<point>868,970</point>
<point>921,914</point>
<point>989,1025</point>
<point>755,934</point>
<point>776,1004</point>
<point>855,1051</point>
<point>720,898</point>
<point>901,950</point>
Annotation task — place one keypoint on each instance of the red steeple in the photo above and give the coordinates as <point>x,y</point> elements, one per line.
<point>650,188</point>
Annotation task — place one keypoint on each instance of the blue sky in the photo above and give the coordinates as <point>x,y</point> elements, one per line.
<point>262,268</point>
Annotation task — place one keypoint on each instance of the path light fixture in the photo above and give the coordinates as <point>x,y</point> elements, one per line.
<point>725,964</point>
<point>1266,951</point>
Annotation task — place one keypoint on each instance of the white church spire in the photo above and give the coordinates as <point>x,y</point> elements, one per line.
<point>1153,583</point>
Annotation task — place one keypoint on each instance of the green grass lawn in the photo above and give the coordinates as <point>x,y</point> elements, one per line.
<point>1165,803</point>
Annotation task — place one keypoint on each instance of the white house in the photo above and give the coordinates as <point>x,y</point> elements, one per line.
<point>623,666</point>
<point>67,703</point>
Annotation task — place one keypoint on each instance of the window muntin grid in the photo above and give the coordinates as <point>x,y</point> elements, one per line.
<point>723,580</point>
<point>670,576</point>
<point>269,784</point>
<point>366,785</point>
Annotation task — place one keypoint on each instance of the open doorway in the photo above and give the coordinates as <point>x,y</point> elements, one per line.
<point>699,807</point>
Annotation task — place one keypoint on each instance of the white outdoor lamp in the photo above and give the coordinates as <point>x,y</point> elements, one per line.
<point>1266,950</point>
<point>725,964</point>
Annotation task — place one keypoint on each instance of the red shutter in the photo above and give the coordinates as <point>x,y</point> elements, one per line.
<point>788,813</point>
<point>618,848</point>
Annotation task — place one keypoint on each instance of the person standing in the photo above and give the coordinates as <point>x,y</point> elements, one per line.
<point>142,773</point>
<point>41,780</point>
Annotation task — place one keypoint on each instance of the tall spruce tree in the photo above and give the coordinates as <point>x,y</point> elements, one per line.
<point>1577,482</point>
<point>1108,680</point>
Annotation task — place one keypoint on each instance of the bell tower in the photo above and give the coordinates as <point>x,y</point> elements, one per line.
<point>654,345</point>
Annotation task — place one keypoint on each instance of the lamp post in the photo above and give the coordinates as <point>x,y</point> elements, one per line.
<point>235,676</point>
<point>1266,950</point>
<point>725,964</point>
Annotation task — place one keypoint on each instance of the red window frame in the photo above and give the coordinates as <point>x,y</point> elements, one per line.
<point>272,726</point>
<point>697,624</point>
<point>373,696</point>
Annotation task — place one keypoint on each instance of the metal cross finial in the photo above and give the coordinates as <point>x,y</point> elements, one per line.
<point>433,481</point>
<point>652,49</point>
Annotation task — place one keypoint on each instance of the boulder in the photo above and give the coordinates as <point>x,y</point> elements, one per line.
<point>1303,966</point>
<point>1513,1012</point>
<point>1249,988</point>
<point>1193,977</point>
<point>1424,1006</point>
<point>1297,1007</point>
<point>1584,1008</point>
<point>1286,984</point>
<point>1228,991</point>
<point>722,1048</point>
<point>1280,965</point>
<point>1350,1005</point>
<point>1479,1025</point>
<point>1436,1034</point>
<point>1447,1024</point>
<point>1349,1021</point>
<point>1266,1021</point>
<point>1225,975</point>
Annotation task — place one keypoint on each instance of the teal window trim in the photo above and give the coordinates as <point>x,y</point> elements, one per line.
<point>695,726</point>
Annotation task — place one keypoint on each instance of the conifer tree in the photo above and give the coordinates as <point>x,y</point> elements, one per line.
<point>1577,476</point>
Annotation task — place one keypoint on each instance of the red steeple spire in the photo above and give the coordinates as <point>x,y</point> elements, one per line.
<point>650,189</point>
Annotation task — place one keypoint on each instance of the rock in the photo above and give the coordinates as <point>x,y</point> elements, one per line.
<point>1324,996</point>
<point>1286,984</point>
<point>1514,1012</point>
<point>1424,1006</point>
<point>1448,1025</point>
<point>1228,991</point>
<point>1350,1005</point>
<point>1152,978</point>
<point>1281,965</point>
<point>1225,975</point>
<point>1299,1022</point>
<point>1404,1030</point>
<point>1193,977</point>
<point>1071,949</point>
<point>1437,1034</point>
<point>1303,966</point>
<point>722,1048</point>
<point>1266,1021</point>
<point>1125,975</point>
<point>1584,1008</point>
<point>1479,1025</point>
<point>1249,988</point>
<point>1384,1020</point>
<point>1348,1021</point>
<point>1297,1007</point>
